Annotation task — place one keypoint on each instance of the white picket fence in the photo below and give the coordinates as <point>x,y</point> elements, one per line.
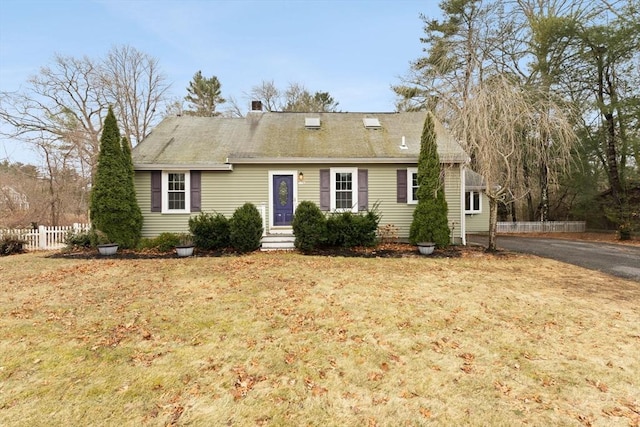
<point>541,227</point>
<point>44,238</point>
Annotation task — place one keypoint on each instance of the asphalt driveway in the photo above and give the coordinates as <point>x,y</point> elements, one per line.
<point>617,260</point>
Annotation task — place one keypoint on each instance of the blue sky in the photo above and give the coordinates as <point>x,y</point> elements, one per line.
<point>354,49</point>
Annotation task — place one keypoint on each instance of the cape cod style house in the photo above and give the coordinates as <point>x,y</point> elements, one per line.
<point>275,160</point>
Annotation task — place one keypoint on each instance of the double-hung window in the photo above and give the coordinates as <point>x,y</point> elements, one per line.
<point>472,202</point>
<point>344,185</point>
<point>175,187</point>
<point>412,185</point>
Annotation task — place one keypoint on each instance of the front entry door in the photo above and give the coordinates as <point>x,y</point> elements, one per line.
<point>282,200</point>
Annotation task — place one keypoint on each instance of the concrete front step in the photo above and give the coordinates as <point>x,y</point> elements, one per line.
<point>274,242</point>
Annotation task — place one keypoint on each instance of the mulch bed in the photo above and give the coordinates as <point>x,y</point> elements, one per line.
<point>385,250</point>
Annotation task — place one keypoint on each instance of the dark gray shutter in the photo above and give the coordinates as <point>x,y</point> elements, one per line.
<point>401,185</point>
<point>325,190</point>
<point>156,191</point>
<point>195,191</point>
<point>363,189</point>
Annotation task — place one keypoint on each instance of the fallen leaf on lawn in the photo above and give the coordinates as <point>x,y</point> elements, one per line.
<point>501,387</point>
<point>599,385</point>
<point>425,412</point>
<point>467,368</point>
<point>375,376</point>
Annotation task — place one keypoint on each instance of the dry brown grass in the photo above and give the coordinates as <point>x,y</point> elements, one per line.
<point>284,339</point>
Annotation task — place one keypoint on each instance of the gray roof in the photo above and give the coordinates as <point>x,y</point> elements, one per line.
<point>271,137</point>
<point>473,180</point>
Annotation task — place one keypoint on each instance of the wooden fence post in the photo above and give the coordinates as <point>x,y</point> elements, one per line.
<point>42,237</point>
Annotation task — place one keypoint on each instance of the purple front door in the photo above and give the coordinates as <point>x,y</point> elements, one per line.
<point>282,200</point>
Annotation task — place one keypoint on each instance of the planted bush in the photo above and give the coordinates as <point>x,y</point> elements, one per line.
<point>10,245</point>
<point>210,231</point>
<point>309,226</point>
<point>348,230</point>
<point>82,239</point>
<point>165,242</point>
<point>246,228</point>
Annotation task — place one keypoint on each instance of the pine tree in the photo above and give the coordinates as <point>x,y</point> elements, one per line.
<point>113,207</point>
<point>204,95</point>
<point>430,215</point>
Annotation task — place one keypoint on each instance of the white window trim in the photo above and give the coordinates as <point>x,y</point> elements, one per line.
<point>165,192</point>
<point>354,188</point>
<point>410,199</point>
<point>473,211</point>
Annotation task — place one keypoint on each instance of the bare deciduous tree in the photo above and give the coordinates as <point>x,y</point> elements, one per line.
<point>267,93</point>
<point>60,111</point>
<point>136,87</point>
<point>295,98</point>
<point>500,125</point>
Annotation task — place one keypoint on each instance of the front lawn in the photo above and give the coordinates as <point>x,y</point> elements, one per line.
<point>286,339</point>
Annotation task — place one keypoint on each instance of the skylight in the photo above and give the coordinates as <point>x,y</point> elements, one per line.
<point>312,122</point>
<point>371,123</point>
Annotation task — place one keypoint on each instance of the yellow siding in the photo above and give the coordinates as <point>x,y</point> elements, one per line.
<point>479,223</point>
<point>224,191</point>
<point>453,195</point>
<point>154,223</point>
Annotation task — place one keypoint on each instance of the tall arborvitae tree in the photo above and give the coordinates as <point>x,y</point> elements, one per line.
<point>134,219</point>
<point>430,215</point>
<point>204,95</point>
<point>113,207</point>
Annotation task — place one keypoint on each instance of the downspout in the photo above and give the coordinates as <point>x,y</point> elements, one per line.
<point>463,218</point>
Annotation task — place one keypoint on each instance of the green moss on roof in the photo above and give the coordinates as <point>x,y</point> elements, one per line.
<point>212,140</point>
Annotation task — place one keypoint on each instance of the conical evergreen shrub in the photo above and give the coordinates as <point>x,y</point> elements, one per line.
<point>430,222</point>
<point>114,208</point>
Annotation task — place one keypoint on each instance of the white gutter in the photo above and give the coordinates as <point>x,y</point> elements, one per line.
<point>329,160</point>
<point>182,166</point>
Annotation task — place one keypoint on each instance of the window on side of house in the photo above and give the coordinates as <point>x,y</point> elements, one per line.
<point>412,185</point>
<point>344,189</point>
<point>472,202</point>
<point>176,191</point>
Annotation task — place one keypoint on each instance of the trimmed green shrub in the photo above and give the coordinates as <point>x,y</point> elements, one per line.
<point>246,228</point>
<point>88,239</point>
<point>348,230</point>
<point>99,237</point>
<point>146,243</point>
<point>165,242</point>
<point>309,226</point>
<point>81,239</point>
<point>11,245</point>
<point>210,231</point>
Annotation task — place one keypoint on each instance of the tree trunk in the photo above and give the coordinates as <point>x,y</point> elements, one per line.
<point>609,126</point>
<point>514,214</point>
<point>612,161</point>
<point>493,224</point>
<point>544,191</point>
<point>527,182</point>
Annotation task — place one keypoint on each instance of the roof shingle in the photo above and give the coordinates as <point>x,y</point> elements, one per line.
<point>283,137</point>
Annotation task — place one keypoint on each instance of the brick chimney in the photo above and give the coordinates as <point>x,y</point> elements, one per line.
<point>256,105</point>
